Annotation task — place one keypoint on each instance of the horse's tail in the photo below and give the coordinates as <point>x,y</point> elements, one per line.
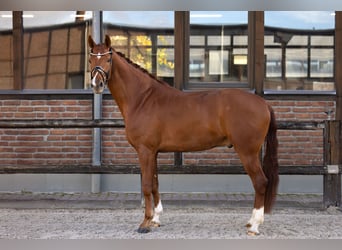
<point>270,163</point>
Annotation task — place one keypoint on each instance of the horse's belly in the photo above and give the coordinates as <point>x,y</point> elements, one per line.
<point>193,143</point>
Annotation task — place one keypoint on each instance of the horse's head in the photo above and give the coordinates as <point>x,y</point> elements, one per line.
<point>100,59</point>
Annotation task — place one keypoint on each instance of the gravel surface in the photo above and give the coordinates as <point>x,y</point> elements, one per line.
<point>207,222</point>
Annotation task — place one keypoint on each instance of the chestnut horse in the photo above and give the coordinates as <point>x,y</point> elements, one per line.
<point>160,118</point>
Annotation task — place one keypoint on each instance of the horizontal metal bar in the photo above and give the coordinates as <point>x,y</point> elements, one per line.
<point>64,123</point>
<point>119,123</point>
<point>133,169</point>
<point>163,169</point>
<point>300,125</point>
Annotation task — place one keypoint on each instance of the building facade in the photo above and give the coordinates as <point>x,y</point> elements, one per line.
<point>44,74</point>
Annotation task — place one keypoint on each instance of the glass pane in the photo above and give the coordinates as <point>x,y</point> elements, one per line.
<point>197,64</point>
<point>321,63</point>
<point>54,49</point>
<point>142,56</point>
<point>322,40</point>
<point>299,50</point>
<point>240,40</point>
<point>146,37</point>
<point>197,40</point>
<point>164,40</point>
<point>298,40</point>
<point>166,65</point>
<point>6,57</point>
<point>273,62</point>
<point>218,39</point>
<point>165,56</point>
<point>6,20</point>
<point>296,63</point>
<point>220,56</point>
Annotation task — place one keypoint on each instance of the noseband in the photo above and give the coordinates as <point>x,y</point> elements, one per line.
<point>99,69</point>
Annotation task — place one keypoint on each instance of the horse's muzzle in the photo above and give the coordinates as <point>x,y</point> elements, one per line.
<point>98,81</point>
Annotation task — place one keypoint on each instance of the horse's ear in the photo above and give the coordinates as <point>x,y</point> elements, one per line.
<point>108,42</point>
<point>91,42</point>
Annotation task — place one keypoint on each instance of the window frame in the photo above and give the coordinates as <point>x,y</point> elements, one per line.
<point>230,31</point>
<point>181,47</point>
<point>308,48</point>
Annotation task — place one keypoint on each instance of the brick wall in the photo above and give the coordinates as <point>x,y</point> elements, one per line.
<point>298,147</point>
<point>45,146</point>
<point>74,146</point>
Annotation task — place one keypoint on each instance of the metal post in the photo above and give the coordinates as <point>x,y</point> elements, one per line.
<point>182,34</point>
<point>97,111</point>
<point>332,162</point>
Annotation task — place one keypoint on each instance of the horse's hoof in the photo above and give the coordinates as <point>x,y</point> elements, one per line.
<point>144,230</point>
<point>251,233</point>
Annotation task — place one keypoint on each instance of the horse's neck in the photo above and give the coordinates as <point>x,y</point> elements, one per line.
<point>127,84</point>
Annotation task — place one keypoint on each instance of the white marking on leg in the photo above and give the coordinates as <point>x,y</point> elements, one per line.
<point>157,211</point>
<point>256,219</point>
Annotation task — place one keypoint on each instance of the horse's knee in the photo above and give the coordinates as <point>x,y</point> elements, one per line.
<point>146,189</point>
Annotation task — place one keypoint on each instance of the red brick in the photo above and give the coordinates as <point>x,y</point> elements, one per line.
<point>57,109</point>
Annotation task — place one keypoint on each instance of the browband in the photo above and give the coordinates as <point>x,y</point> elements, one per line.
<point>101,54</point>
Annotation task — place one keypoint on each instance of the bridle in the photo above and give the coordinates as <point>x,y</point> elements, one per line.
<point>98,69</point>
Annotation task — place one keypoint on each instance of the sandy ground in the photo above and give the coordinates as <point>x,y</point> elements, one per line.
<point>207,222</point>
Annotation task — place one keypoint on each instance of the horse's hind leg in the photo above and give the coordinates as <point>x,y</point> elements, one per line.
<point>253,168</point>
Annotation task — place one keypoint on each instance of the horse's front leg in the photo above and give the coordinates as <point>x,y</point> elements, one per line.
<point>147,164</point>
<point>158,208</point>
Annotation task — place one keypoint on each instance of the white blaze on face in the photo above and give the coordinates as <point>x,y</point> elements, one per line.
<point>93,82</point>
<point>157,211</point>
<point>98,56</point>
<point>256,219</point>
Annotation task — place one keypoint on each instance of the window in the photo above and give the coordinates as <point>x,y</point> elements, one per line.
<point>299,53</point>
<point>218,48</point>
<point>146,37</point>
<point>54,50</point>
<point>298,48</point>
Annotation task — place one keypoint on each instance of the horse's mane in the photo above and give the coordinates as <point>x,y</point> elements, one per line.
<point>129,61</point>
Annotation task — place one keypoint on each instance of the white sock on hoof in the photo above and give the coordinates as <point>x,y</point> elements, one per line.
<point>157,211</point>
<point>256,219</point>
